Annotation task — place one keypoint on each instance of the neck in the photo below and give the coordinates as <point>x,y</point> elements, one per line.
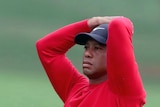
<point>98,80</point>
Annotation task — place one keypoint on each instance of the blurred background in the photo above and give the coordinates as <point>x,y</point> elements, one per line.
<point>23,82</point>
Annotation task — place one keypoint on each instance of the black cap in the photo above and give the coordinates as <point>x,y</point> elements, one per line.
<point>99,34</point>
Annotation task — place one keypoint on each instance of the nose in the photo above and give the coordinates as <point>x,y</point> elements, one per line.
<point>88,53</point>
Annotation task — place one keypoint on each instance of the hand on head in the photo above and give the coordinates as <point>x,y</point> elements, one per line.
<point>96,21</point>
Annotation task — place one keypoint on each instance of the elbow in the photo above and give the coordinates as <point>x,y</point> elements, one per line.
<point>123,23</point>
<point>39,45</point>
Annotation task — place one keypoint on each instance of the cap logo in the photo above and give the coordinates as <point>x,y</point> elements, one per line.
<point>98,28</point>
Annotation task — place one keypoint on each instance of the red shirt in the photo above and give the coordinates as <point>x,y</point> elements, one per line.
<point>123,88</point>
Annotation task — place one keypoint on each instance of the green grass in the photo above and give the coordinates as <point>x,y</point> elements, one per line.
<point>152,88</point>
<point>20,89</point>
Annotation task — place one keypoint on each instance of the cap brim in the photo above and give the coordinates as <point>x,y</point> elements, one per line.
<point>82,38</point>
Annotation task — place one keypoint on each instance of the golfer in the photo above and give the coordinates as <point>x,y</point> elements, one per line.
<point>110,73</point>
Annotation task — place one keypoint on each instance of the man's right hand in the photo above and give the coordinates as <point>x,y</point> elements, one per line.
<point>96,21</point>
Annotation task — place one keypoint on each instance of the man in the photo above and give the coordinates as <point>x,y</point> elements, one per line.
<point>108,62</point>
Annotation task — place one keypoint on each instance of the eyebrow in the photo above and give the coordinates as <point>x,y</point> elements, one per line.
<point>96,44</point>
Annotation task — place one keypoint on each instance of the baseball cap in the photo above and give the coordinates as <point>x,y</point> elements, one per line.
<point>99,34</point>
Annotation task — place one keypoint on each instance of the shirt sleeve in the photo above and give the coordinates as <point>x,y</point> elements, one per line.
<point>123,74</point>
<point>52,49</point>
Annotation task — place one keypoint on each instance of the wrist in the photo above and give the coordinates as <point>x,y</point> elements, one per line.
<point>96,21</point>
<point>93,22</point>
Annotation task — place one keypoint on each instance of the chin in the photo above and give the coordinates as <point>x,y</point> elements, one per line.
<point>90,74</point>
<point>87,72</point>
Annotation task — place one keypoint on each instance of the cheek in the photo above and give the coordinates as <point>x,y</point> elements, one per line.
<point>101,61</point>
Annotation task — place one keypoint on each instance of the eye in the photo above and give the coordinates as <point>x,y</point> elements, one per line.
<point>86,47</point>
<point>97,48</point>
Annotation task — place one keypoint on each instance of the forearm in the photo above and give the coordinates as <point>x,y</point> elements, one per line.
<point>122,67</point>
<point>51,50</point>
<point>62,39</point>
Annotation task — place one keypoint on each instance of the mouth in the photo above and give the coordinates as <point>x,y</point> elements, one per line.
<point>87,64</point>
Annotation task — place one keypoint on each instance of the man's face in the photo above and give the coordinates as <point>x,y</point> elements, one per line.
<point>94,59</point>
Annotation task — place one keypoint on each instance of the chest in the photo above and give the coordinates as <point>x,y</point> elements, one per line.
<point>95,97</point>
<point>100,96</point>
